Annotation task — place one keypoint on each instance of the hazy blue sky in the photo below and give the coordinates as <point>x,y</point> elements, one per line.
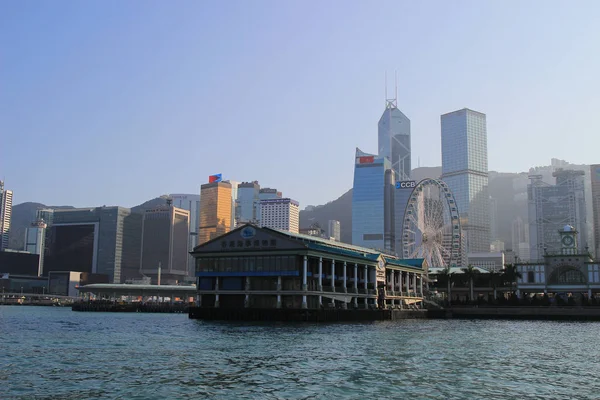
<point>116,102</point>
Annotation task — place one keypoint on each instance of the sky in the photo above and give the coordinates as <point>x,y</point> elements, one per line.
<point>117,102</point>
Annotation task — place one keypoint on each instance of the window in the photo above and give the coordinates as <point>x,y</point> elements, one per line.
<point>530,277</point>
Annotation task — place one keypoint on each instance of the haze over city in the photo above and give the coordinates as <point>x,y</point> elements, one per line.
<point>116,103</point>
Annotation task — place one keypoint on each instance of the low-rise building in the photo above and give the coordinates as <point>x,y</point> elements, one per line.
<point>567,271</point>
<point>260,267</point>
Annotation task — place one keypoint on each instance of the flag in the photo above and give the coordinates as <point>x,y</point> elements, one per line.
<point>214,178</point>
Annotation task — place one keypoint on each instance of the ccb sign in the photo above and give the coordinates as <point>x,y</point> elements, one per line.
<point>406,184</point>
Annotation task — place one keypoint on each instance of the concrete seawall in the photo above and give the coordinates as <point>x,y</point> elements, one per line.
<point>519,313</point>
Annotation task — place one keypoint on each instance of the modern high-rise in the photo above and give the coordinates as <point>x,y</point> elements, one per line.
<point>551,207</point>
<point>191,203</point>
<point>520,238</point>
<point>373,194</point>
<point>45,214</point>
<point>595,177</point>
<point>215,210</point>
<point>35,237</point>
<point>234,194</point>
<point>165,251</point>
<point>394,143</point>
<point>101,240</point>
<point>6,199</point>
<point>333,230</point>
<point>266,194</point>
<point>247,206</point>
<point>465,171</point>
<point>283,214</point>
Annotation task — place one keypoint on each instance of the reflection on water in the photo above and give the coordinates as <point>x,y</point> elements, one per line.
<point>54,353</point>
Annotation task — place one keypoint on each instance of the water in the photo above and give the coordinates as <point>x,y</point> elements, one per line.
<point>54,353</point>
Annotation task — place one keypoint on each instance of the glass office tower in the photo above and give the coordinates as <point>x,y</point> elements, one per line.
<point>465,170</point>
<point>373,202</point>
<point>394,143</point>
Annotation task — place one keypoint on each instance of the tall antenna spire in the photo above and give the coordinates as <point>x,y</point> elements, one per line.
<point>396,85</point>
<point>386,97</point>
<point>391,102</point>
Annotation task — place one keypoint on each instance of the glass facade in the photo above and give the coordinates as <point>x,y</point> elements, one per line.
<point>215,210</point>
<point>116,241</point>
<point>395,144</point>
<point>373,202</point>
<point>551,207</point>
<point>465,170</point>
<point>247,202</point>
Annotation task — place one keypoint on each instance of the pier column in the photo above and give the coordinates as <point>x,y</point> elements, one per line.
<point>407,281</point>
<point>366,285</point>
<point>217,292</point>
<point>333,275</point>
<point>421,285</point>
<point>304,272</point>
<point>247,301</point>
<point>589,294</point>
<point>320,287</point>
<point>279,290</point>
<point>415,282</point>
<point>345,278</point>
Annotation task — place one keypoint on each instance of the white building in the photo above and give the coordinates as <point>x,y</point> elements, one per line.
<point>333,230</point>
<point>6,198</point>
<point>35,236</point>
<point>281,214</point>
<point>488,261</point>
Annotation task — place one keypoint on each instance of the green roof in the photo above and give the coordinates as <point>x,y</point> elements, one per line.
<point>327,242</point>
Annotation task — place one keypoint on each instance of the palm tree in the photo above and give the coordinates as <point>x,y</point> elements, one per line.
<point>445,276</point>
<point>470,272</point>
<point>494,281</point>
<point>511,274</point>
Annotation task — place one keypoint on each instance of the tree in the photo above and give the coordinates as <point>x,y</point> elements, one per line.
<point>445,277</point>
<point>511,274</point>
<point>470,272</point>
<point>494,281</point>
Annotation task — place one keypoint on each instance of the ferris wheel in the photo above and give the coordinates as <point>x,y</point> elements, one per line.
<point>431,228</point>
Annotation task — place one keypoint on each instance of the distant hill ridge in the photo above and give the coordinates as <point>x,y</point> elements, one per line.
<point>508,189</point>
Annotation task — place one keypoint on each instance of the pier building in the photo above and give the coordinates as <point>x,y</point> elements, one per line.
<point>266,268</point>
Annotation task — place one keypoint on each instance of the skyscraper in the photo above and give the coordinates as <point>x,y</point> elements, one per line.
<point>247,203</point>
<point>373,223</point>
<point>101,240</point>
<point>6,198</point>
<point>215,210</point>
<point>165,233</point>
<point>333,230</point>
<point>465,171</point>
<point>551,207</point>
<point>35,236</point>
<point>191,203</point>
<point>281,214</point>
<point>394,143</point>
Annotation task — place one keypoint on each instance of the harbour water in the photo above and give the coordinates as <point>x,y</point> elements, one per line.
<point>54,353</point>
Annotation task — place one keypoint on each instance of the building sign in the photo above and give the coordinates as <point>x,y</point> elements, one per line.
<point>248,232</point>
<point>406,184</point>
<point>366,160</point>
<point>380,271</point>
<point>214,178</point>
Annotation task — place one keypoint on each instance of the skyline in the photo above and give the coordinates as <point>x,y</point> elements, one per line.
<point>127,98</point>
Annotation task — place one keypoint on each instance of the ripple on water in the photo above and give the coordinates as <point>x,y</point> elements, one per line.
<point>53,353</point>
